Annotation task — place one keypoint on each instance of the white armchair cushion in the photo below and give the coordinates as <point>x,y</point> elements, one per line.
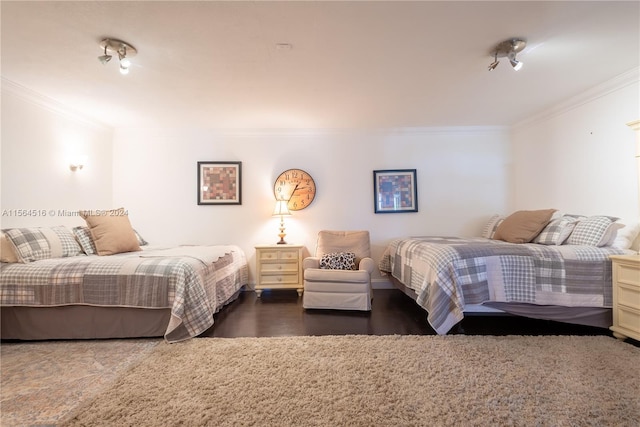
<point>330,276</point>
<point>344,241</point>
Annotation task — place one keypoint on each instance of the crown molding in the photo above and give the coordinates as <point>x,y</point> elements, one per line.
<point>50,104</point>
<point>619,82</point>
<point>314,132</point>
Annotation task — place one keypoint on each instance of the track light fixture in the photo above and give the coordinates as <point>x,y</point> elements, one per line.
<point>106,57</point>
<point>508,49</point>
<point>123,49</point>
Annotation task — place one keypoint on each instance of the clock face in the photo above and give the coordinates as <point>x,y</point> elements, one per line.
<point>296,186</point>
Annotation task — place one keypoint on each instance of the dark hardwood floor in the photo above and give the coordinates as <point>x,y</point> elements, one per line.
<point>280,313</point>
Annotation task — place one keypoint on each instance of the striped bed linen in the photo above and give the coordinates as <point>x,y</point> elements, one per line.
<point>193,285</point>
<point>448,272</point>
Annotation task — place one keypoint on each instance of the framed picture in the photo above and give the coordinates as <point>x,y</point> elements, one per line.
<point>395,191</point>
<point>219,183</point>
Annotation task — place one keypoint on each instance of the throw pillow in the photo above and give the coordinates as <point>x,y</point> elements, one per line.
<point>338,261</point>
<point>490,228</point>
<point>625,236</point>
<point>111,232</point>
<point>34,244</point>
<point>593,231</point>
<point>557,231</point>
<point>7,251</point>
<point>141,240</point>
<point>523,226</point>
<point>83,236</point>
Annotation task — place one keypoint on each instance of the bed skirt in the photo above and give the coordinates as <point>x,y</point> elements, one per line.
<point>84,322</point>
<point>81,322</point>
<point>588,316</point>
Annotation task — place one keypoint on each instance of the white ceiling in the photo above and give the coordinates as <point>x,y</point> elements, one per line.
<point>359,64</point>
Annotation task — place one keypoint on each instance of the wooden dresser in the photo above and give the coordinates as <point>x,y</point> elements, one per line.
<point>626,296</point>
<point>279,267</point>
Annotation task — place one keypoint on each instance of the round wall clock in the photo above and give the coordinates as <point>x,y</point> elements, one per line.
<point>296,186</point>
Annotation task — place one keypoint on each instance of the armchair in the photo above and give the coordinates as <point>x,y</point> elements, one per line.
<point>340,289</point>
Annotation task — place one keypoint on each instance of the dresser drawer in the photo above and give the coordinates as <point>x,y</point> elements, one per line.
<point>629,296</point>
<point>279,267</point>
<point>267,280</point>
<point>628,319</point>
<point>278,254</point>
<point>628,274</point>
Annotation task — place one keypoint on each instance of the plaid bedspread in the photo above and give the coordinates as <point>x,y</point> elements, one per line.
<point>449,272</point>
<point>194,285</point>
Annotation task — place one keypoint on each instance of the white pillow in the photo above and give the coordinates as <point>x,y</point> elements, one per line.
<point>625,236</point>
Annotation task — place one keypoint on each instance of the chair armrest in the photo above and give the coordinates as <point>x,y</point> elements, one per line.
<point>367,264</point>
<point>310,262</point>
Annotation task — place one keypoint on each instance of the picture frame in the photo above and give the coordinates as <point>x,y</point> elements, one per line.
<point>219,183</point>
<point>395,191</point>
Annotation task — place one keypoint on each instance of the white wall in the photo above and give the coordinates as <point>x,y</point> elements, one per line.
<point>39,138</point>
<point>577,157</point>
<point>461,175</point>
<point>580,157</point>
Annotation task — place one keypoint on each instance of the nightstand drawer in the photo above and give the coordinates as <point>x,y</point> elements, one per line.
<point>629,296</point>
<point>279,267</point>
<point>628,274</point>
<point>279,279</point>
<point>628,319</point>
<point>278,254</point>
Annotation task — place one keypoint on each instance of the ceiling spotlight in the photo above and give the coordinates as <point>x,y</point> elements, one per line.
<point>104,58</point>
<point>508,49</point>
<point>517,65</point>
<point>123,49</point>
<point>495,63</point>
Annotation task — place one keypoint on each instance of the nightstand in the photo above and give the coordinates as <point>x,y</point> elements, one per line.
<point>279,267</point>
<point>626,296</point>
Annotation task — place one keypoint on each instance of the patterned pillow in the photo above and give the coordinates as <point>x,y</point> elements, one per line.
<point>34,244</point>
<point>490,228</point>
<point>557,231</point>
<point>338,261</point>
<point>83,236</point>
<point>141,240</point>
<point>592,231</point>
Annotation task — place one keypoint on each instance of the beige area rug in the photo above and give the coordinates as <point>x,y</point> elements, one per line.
<point>42,382</point>
<point>377,381</point>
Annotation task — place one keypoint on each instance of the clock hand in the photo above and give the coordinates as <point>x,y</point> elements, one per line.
<point>294,190</point>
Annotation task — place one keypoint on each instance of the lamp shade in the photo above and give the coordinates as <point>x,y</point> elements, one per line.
<point>281,208</point>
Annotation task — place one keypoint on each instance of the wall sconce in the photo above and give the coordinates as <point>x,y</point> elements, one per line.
<point>123,49</point>
<point>281,210</point>
<point>77,163</point>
